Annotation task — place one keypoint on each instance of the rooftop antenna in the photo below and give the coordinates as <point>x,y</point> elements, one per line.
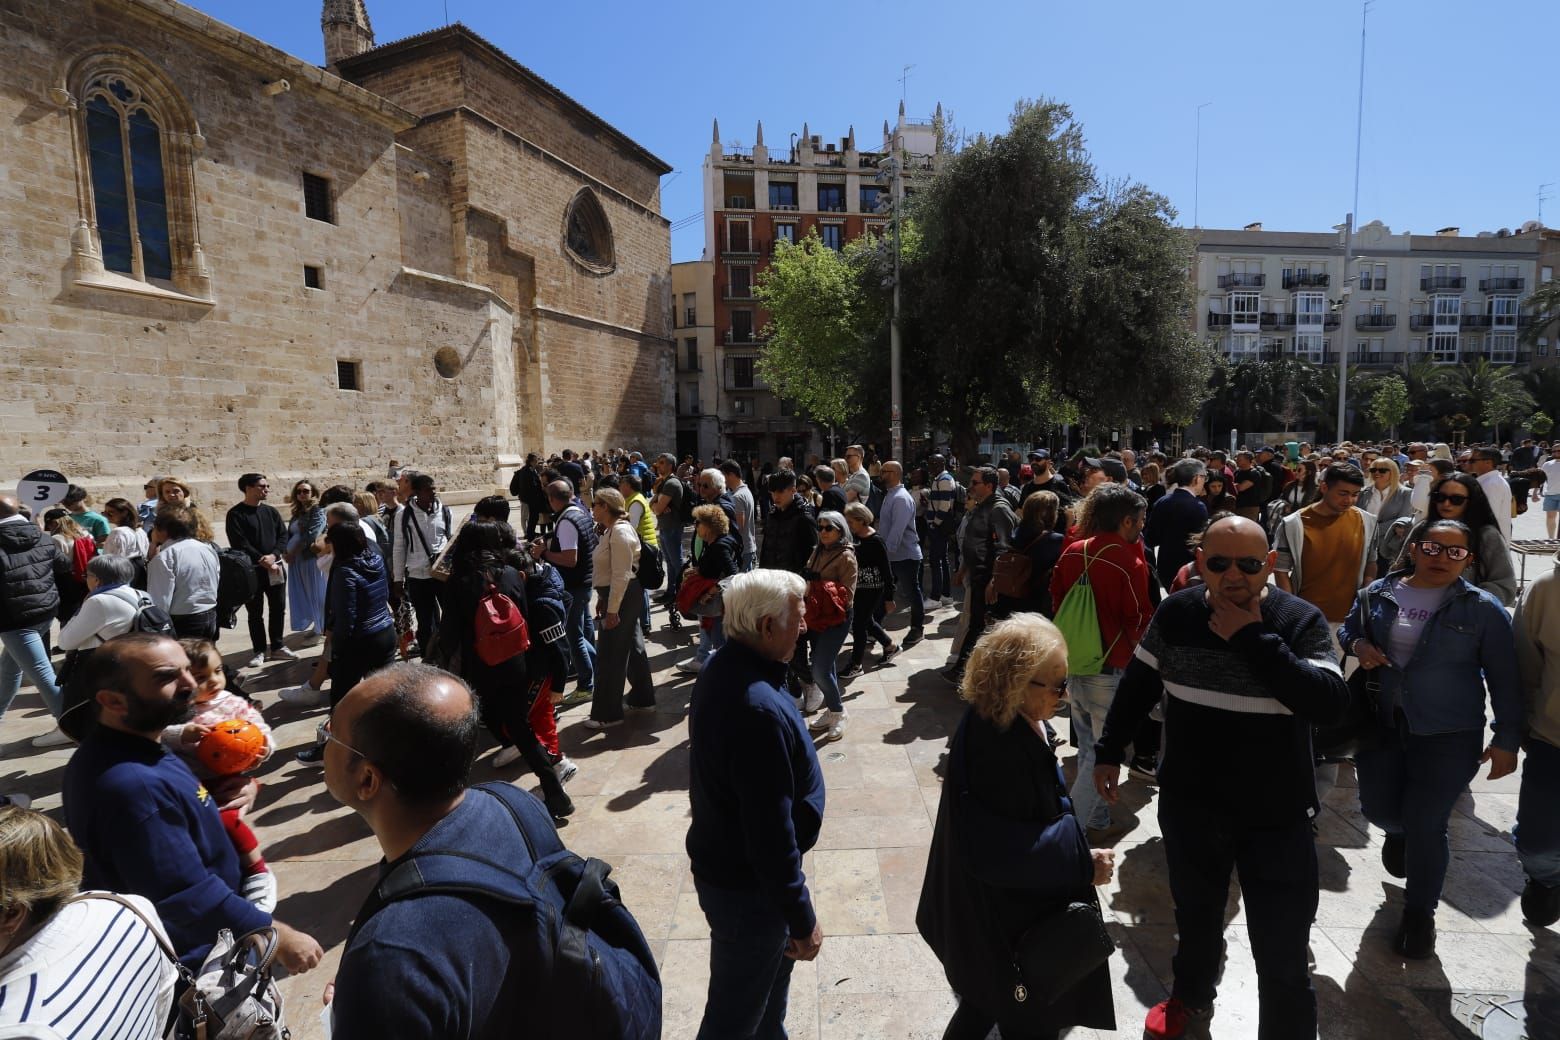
<point>1544,195</point>
<point>903,76</point>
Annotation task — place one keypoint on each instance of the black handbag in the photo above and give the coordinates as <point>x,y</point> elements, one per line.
<point>652,571</point>
<point>1057,953</point>
<point>1359,727</point>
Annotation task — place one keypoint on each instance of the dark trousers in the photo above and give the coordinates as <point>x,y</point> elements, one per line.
<point>354,658</point>
<point>1278,883</point>
<point>971,1023</point>
<point>979,610</point>
<point>276,597</point>
<point>864,626</point>
<point>750,975</point>
<point>424,594</point>
<point>907,582</point>
<point>942,579</point>
<point>196,626</point>
<point>801,668</point>
<point>1408,786</point>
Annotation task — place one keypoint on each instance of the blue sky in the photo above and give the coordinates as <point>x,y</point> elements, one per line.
<point>1457,127</point>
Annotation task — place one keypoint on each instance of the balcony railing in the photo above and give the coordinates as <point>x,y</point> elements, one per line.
<point>738,292</point>
<point>1218,321</point>
<point>688,364</point>
<point>1331,321</point>
<point>1496,357</point>
<point>837,208</point>
<point>747,249</point>
<point>739,336</point>
<point>1242,281</point>
<point>1379,357</point>
<point>1306,280</point>
<point>1475,321</point>
<point>1372,284</point>
<point>690,318</point>
<point>1502,285</point>
<point>1365,322</point>
<point>738,202</point>
<point>1271,320</point>
<point>1421,322</point>
<point>786,207</point>
<point>1443,281</point>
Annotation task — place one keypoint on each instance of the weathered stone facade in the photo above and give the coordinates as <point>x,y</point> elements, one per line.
<point>452,173</point>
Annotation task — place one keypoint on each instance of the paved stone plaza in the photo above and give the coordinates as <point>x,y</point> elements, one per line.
<point>875,979</point>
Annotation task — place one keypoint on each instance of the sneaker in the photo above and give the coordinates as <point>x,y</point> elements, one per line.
<point>812,698</point>
<point>890,652</point>
<point>954,674</point>
<point>311,638</point>
<point>598,724</point>
<point>692,666</point>
<point>281,653</point>
<point>313,755</point>
<point>1415,938</point>
<point>1393,857</point>
<point>952,601</point>
<point>912,637</point>
<point>851,670</point>
<point>1173,1020</point>
<point>260,889</point>
<point>929,605</point>
<point>1144,767</point>
<point>565,769</point>
<point>507,756</point>
<point>823,720</point>
<point>578,695</point>
<point>1540,902</point>
<point>302,696</point>
<point>836,731</point>
<point>52,739</point>
<point>631,706</point>
<point>257,661</point>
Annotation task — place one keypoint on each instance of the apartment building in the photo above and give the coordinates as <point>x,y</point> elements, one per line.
<point>1446,297</point>
<point>754,197</point>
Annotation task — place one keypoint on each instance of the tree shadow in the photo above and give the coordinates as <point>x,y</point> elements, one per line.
<point>932,709</point>
<point>327,913</point>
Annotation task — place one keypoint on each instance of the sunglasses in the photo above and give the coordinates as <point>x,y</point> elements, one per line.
<point>1060,689</point>
<point>822,528</point>
<point>1247,564</point>
<point>1439,496</point>
<point>1380,469</point>
<point>1455,553</point>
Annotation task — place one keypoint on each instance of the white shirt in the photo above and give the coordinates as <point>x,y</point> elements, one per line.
<point>130,542</point>
<point>1499,493</point>
<point>91,949</point>
<point>103,615</point>
<point>1551,477</point>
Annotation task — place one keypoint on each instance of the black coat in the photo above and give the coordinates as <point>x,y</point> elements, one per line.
<point>31,568</point>
<point>789,537</point>
<point>995,872</point>
<point>1172,520</point>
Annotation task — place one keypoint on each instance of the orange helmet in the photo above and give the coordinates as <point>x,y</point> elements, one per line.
<point>231,747</point>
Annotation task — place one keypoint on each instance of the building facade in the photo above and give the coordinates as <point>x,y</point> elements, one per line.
<point>218,257</point>
<point>754,198</point>
<point>1445,298</point>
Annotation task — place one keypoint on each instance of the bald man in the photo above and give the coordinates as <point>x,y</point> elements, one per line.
<point>1245,671</point>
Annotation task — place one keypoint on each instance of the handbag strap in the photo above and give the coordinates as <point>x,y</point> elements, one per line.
<point>185,974</point>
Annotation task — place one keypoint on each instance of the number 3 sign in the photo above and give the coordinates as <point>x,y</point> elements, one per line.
<point>41,489</point>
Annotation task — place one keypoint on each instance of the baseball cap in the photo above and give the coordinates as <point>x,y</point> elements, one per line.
<point>1089,462</point>
<point>1114,468</point>
<point>1039,455</point>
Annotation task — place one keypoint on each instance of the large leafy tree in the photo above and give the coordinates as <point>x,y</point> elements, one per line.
<point>1389,403</point>
<point>1493,393</point>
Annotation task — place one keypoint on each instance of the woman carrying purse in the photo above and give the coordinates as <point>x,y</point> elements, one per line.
<point>833,561</point>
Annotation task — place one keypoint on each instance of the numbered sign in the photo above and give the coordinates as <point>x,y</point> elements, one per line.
<point>41,489</point>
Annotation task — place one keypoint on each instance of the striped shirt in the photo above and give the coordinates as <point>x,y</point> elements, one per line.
<point>94,970</point>
<point>1238,713</point>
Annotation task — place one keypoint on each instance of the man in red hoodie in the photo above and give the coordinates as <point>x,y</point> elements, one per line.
<point>1110,550</point>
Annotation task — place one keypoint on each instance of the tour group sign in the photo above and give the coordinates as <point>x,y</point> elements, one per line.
<point>41,489</point>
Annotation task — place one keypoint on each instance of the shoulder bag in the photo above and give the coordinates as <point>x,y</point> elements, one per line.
<point>1358,728</point>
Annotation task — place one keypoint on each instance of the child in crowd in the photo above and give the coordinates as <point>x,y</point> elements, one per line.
<point>212,704</point>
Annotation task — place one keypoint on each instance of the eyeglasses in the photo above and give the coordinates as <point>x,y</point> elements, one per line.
<point>1457,500</point>
<point>1060,689</point>
<point>1381,469</point>
<point>826,528</point>
<point>332,738</point>
<point>1247,564</point>
<point>1455,553</point>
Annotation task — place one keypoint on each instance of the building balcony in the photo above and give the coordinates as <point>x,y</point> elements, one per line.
<point>1309,280</point>
<point>738,292</point>
<point>1421,322</point>
<point>1376,358</point>
<point>1502,285</point>
<point>1272,321</point>
<point>738,202</point>
<point>744,250</point>
<point>1443,282</point>
<point>783,207</point>
<point>1242,281</point>
<point>1476,321</point>
<point>687,364</point>
<point>1373,284</point>
<point>1368,322</point>
<point>1218,321</point>
<point>689,410</point>
<point>1498,357</point>
<point>1332,321</point>
<point>741,337</point>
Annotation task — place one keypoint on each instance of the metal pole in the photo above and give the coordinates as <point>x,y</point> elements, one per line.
<point>1348,234</point>
<point>1197,174</point>
<point>896,425</point>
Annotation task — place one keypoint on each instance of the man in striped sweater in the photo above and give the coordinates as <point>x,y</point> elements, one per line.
<point>1245,670</point>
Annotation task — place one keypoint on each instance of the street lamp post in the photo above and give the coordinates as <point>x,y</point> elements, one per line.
<point>1197,171</point>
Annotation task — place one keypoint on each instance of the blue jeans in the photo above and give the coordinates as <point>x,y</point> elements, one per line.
<point>942,578</point>
<point>710,640</point>
<point>907,582</point>
<point>1538,825</point>
<point>579,633</point>
<point>826,647</point>
<point>669,533</point>
<point>1090,697</point>
<point>750,975</point>
<point>22,651</point>
<point>1408,787</point>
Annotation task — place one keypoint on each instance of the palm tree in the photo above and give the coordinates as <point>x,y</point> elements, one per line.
<point>1544,303</point>
<point>1494,393</point>
<point>1544,385</point>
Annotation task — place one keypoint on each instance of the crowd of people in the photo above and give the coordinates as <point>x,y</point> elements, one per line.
<point>1195,618</point>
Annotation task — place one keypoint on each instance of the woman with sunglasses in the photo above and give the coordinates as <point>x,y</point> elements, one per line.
<point>1008,852</point>
<point>1392,504</point>
<point>1433,642</point>
<point>1459,497</point>
<point>833,560</point>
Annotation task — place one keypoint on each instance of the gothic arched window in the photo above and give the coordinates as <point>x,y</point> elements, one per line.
<point>124,149</point>
<point>587,234</point>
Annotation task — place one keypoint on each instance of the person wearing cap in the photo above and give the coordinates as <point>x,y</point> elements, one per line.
<point>1044,478</point>
<point>1115,470</point>
<point>1087,474</point>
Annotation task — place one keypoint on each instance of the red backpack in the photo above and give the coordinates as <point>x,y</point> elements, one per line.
<point>500,630</point>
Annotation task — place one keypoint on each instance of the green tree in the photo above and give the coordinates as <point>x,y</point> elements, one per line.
<point>1544,385</point>
<point>1492,392</point>
<point>1389,403</point>
<point>1544,304</point>
<point>820,325</point>
<point>1540,423</point>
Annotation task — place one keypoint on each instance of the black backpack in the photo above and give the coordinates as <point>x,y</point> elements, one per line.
<point>237,583</point>
<point>599,976</point>
<point>149,617</point>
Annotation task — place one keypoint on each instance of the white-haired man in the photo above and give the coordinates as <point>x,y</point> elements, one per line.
<point>756,793</point>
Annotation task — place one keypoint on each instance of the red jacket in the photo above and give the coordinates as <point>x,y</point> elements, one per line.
<point>1120,577</point>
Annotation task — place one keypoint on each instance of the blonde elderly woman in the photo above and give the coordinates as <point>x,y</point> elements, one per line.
<point>82,966</point>
<point>1008,854</point>
<point>833,560</point>
<point>620,650</point>
<point>1392,504</point>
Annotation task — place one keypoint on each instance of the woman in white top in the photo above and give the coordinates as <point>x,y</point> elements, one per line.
<point>110,606</point>
<point>73,967</point>
<point>620,651</point>
<point>125,537</point>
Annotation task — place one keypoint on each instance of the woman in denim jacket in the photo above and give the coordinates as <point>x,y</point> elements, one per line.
<point>1432,642</point>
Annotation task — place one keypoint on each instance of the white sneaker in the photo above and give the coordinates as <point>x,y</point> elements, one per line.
<point>565,769</point>
<point>302,696</point>
<point>822,721</point>
<point>692,666</point>
<point>813,698</point>
<point>837,730</point>
<point>281,653</point>
<point>53,738</point>
<point>260,889</point>
<point>600,724</point>
<point>257,661</point>
<point>950,601</point>
<point>506,756</point>
<point>930,605</point>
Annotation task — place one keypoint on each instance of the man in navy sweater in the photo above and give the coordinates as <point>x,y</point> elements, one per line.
<point>144,823</point>
<point>1245,671</point>
<point>757,798</point>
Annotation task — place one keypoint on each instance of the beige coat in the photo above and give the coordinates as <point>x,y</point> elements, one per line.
<point>1537,622</point>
